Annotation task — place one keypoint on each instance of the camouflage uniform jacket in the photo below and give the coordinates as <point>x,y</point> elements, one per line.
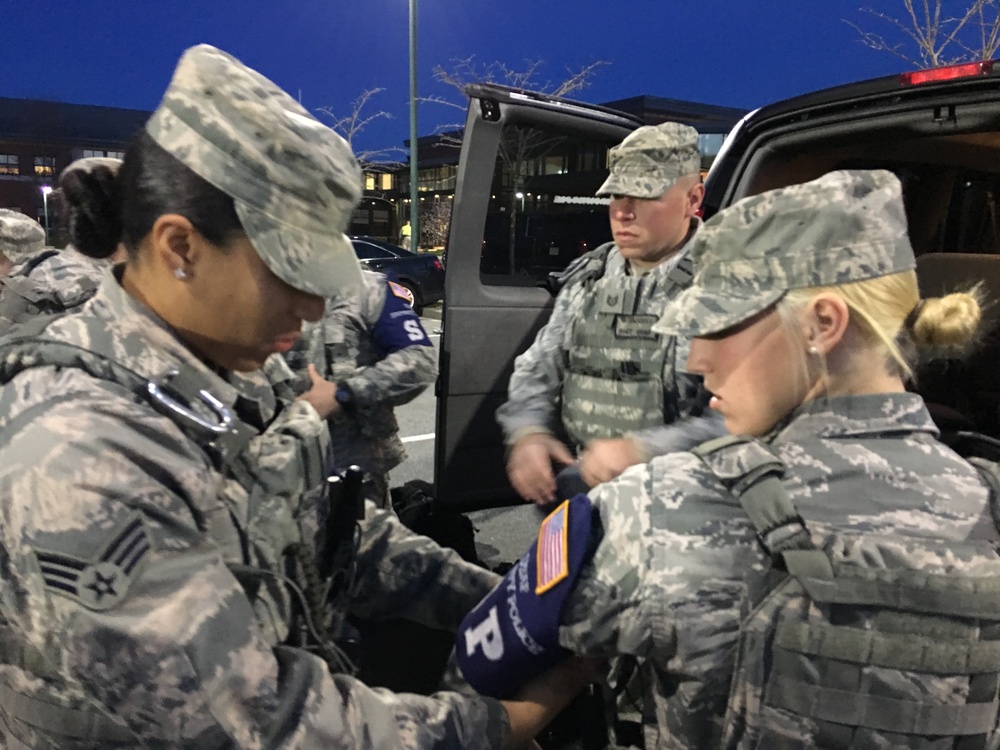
<point>118,593</point>
<point>57,284</point>
<point>536,386</point>
<point>349,347</point>
<point>667,578</point>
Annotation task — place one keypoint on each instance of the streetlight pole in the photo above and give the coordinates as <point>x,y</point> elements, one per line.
<point>45,202</point>
<point>414,203</point>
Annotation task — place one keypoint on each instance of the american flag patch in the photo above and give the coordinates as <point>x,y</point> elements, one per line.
<point>401,291</point>
<point>553,549</point>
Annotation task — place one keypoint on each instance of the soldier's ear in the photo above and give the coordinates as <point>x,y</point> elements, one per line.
<point>175,245</point>
<point>826,321</point>
<point>695,196</point>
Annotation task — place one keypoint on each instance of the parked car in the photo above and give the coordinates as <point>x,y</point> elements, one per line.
<point>421,273</point>
<point>938,130</point>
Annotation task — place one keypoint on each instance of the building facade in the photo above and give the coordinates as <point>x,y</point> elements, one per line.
<point>38,139</point>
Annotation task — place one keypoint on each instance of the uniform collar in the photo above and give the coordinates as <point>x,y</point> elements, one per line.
<point>856,417</point>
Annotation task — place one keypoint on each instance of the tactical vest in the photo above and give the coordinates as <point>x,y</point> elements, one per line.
<point>222,434</point>
<point>21,299</point>
<point>871,640</point>
<point>620,375</point>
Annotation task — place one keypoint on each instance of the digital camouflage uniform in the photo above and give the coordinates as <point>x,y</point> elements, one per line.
<point>596,369</point>
<point>374,347</point>
<point>143,598</point>
<point>20,237</point>
<point>49,282</point>
<point>677,563</point>
<point>668,578</point>
<point>176,644</point>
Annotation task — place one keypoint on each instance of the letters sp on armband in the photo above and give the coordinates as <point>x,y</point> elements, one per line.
<point>513,634</point>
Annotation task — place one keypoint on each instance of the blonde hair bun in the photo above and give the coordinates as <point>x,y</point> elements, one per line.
<point>948,322</point>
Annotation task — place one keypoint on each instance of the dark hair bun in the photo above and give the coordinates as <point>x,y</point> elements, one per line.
<point>93,200</point>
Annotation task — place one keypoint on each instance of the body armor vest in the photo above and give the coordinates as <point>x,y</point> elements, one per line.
<point>620,374</point>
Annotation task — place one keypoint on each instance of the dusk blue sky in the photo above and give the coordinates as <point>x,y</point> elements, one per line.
<point>741,53</point>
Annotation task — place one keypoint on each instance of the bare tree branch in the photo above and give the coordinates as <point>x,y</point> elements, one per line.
<point>351,125</point>
<point>974,34</point>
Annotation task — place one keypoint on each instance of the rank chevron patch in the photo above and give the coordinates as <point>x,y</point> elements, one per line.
<point>102,583</point>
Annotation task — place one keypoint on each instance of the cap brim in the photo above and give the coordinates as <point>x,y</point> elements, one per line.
<point>701,312</point>
<point>632,186</point>
<point>323,264</point>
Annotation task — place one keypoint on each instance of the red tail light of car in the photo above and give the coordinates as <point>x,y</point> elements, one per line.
<point>948,72</point>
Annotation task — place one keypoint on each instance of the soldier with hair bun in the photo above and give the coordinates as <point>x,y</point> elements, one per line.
<point>826,576</point>
<point>49,281</point>
<point>166,572</point>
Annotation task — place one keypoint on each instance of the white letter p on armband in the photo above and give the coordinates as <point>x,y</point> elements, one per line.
<point>487,636</point>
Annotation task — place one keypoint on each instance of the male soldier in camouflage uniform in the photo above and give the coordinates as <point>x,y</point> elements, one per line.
<point>162,538</point>
<point>50,281</point>
<point>597,372</point>
<point>676,556</point>
<point>374,348</point>
<point>20,237</point>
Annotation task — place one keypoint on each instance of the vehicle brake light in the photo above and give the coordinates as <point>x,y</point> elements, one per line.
<point>437,264</point>
<point>947,73</point>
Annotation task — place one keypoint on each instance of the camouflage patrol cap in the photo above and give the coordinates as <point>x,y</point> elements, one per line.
<point>293,180</point>
<point>20,235</point>
<point>651,159</point>
<point>846,226</point>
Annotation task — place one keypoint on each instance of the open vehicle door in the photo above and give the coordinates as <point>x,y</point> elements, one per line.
<point>524,207</point>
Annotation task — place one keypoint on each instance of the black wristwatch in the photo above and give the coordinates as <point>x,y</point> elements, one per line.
<point>344,394</point>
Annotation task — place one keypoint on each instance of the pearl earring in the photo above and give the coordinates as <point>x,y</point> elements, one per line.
<point>179,273</point>
<point>813,350</point>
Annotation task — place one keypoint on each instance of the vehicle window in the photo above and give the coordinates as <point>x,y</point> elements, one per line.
<point>367,251</point>
<point>542,211</point>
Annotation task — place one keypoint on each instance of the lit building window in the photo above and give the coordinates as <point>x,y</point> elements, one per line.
<point>89,153</point>
<point>387,181</point>
<point>45,165</point>
<point>8,164</point>
<point>369,181</point>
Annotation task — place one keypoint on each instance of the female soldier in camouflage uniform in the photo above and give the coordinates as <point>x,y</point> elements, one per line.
<point>804,313</point>
<point>163,506</point>
<point>51,281</point>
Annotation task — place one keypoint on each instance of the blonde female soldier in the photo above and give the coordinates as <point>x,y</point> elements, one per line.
<point>820,582</point>
<point>163,560</point>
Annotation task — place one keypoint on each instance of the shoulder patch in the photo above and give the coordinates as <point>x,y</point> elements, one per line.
<point>100,583</point>
<point>401,291</point>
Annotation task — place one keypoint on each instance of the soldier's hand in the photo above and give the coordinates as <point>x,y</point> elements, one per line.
<point>539,701</point>
<point>529,467</point>
<point>322,394</point>
<point>603,460</point>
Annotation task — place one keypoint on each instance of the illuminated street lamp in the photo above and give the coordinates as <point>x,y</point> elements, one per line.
<point>45,202</point>
<point>414,204</point>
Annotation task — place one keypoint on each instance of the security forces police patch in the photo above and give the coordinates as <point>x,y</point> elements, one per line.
<point>101,583</point>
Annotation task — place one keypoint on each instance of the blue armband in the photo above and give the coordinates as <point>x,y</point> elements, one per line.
<point>513,634</point>
<point>398,326</point>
